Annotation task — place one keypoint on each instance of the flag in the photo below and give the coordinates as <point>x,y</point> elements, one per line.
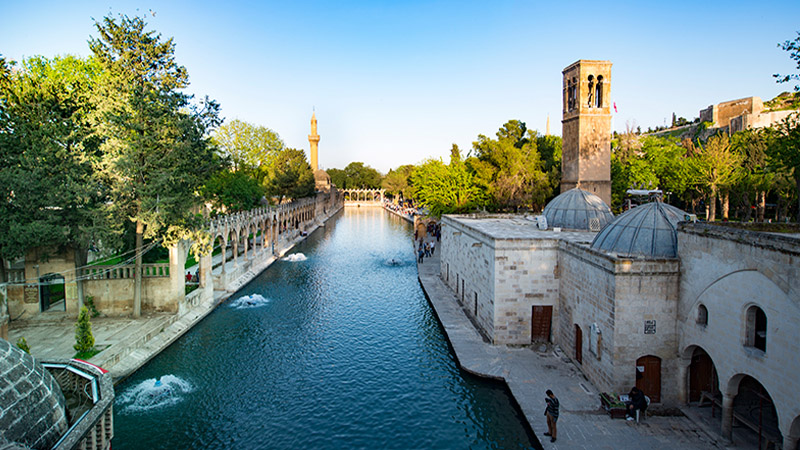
<point>615,106</point>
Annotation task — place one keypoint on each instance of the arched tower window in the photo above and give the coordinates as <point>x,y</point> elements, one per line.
<point>590,102</point>
<point>756,328</point>
<point>598,96</point>
<point>702,315</point>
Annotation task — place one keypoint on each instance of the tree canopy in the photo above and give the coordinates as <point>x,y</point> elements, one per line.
<point>251,148</point>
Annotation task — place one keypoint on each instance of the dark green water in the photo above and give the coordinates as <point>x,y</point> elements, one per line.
<point>340,351</point>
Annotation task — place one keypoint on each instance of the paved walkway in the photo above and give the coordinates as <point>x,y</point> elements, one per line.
<point>127,344</point>
<point>528,374</point>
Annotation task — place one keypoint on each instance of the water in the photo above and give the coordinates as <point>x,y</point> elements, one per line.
<point>335,350</point>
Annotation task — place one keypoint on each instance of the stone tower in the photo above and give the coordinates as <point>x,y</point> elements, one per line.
<point>313,141</point>
<point>586,128</point>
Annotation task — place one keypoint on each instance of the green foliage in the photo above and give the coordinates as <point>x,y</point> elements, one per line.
<point>233,191</point>
<point>155,153</point>
<point>396,182</point>
<point>22,344</point>
<point>785,151</point>
<point>290,176</point>
<point>511,168</point>
<point>48,151</point>
<point>338,177</point>
<point>793,47</point>
<point>251,148</point>
<point>89,300</point>
<point>84,340</point>
<point>446,189</point>
<point>357,175</point>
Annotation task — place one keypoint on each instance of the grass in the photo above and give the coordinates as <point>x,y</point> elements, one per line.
<point>86,355</point>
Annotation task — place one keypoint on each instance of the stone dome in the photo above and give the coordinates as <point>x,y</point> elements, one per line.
<point>648,230</point>
<point>574,210</point>
<point>32,412</point>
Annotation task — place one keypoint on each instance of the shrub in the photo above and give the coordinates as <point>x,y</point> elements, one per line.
<point>84,340</point>
<point>23,345</point>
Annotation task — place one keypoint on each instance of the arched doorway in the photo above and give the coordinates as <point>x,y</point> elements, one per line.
<point>51,293</point>
<point>578,344</point>
<point>753,408</point>
<point>648,377</point>
<point>702,375</point>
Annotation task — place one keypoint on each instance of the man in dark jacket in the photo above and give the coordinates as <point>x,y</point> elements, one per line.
<point>552,414</point>
<point>637,402</point>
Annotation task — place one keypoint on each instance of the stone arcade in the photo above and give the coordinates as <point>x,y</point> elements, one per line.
<point>688,312</point>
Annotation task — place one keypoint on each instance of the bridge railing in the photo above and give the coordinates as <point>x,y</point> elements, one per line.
<point>160,270</point>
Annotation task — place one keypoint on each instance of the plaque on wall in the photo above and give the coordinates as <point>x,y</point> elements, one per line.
<point>649,327</point>
<point>31,293</point>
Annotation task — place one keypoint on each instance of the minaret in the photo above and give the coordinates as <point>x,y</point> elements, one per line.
<point>547,130</point>
<point>313,140</point>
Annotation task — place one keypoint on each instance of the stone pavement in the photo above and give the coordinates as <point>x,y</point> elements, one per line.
<point>529,373</point>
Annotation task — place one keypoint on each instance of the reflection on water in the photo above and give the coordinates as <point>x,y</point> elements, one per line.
<point>348,354</point>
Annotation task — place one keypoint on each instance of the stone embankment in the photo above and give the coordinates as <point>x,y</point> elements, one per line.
<point>127,344</point>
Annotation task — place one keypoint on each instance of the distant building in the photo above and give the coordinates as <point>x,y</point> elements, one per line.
<point>742,114</point>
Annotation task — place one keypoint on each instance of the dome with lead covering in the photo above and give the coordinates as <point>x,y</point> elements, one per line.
<point>577,209</point>
<point>33,412</point>
<point>647,230</point>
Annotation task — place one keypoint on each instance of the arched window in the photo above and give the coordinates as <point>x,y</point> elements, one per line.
<point>598,96</point>
<point>702,315</point>
<point>756,328</point>
<point>590,102</point>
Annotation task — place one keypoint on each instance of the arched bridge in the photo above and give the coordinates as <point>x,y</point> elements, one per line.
<point>363,196</point>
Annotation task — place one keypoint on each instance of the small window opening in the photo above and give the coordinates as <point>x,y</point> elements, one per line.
<point>756,328</point>
<point>598,96</point>
<point>702,315</point>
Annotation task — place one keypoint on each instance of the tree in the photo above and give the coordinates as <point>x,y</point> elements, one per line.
<point>360,176</point>
<point>785,151</point>
<point>48,150</point>
<point>715,167</point>
<point>793,47</point>
<point>446,189</point>
<point>233,191</point>
<point>396,182</point>
<point>251,148</point>
<point>84,339</point>
<point>290,175</point>
<point>517,178</point>
<point>156,154</point>
<point>338,178</point>
<point>756,177</point>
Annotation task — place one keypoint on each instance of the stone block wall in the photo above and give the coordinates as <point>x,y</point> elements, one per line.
<point>525,275</point>
<point>617,296</point>
<point>728,271</point>
<point>467,267</point>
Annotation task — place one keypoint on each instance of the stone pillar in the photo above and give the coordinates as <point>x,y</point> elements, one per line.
<point>224,252</point>
<point>727,417</point>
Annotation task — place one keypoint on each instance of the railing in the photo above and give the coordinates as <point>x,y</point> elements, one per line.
<point>124,272</point>
<point>15,276</point>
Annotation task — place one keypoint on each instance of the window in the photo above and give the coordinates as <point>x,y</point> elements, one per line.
<point>590,102</point>
<point>598,96</point>
<point>756,328</point>
<point>702,315</point>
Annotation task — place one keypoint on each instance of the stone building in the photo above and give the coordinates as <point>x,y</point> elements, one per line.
<point>741,114</point>
<point>688,312</point>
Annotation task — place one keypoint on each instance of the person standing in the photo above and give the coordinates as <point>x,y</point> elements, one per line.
<point>552,415</point>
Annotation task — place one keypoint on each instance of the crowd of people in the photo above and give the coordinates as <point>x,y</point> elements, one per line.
<point>408,211</point>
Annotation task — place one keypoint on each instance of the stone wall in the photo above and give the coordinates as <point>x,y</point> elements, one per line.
<point>617,296</point>
<point>728,271</point>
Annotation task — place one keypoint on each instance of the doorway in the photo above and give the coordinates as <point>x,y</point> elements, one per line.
<point>541,319</point>
<point>702,375</point>
<point>51,293</point>
<point>648,377</point>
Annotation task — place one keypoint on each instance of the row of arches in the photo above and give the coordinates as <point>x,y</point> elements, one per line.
<point>363,195</point>
<point>594,92</point>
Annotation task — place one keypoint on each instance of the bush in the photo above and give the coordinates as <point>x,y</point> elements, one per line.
<point>23,345</point>
<point>84,340</point>
<point>90,305</point>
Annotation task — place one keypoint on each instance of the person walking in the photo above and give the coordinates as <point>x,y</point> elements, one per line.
<point>552,415</point>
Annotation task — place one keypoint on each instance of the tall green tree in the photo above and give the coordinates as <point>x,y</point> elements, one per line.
<point>233,191</point>
<point>396,182</point>
<point>785,151</point>
<point>361,176</point>
<point>793,47</point>
<point>446,189</point>
<point>251,148</point>
<point>290,175</point>
<point>48,149</point>
<point>156,153</point>
<point>715,167</point>
<point>517,178</point>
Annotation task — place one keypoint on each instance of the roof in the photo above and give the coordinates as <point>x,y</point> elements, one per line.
<point>575,209</point>
<point>646,230</point>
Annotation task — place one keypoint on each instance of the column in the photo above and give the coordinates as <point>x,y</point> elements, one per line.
<point>224,252</point>
<point>727,417</point>
<point>683,380</point>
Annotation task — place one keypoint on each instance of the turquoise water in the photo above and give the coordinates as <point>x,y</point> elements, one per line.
<point>337,350</point>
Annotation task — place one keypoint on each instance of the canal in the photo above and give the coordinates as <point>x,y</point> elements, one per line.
<point>334,347</point>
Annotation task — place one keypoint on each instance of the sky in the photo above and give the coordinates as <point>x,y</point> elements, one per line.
<point>397,82</point>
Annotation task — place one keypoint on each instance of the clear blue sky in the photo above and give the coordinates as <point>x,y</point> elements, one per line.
<point>396,82</point>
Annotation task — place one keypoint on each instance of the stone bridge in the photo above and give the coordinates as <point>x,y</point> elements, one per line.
<point>363,196</point>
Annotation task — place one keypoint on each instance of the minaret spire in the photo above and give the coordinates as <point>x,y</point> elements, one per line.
<point>313,141</point>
